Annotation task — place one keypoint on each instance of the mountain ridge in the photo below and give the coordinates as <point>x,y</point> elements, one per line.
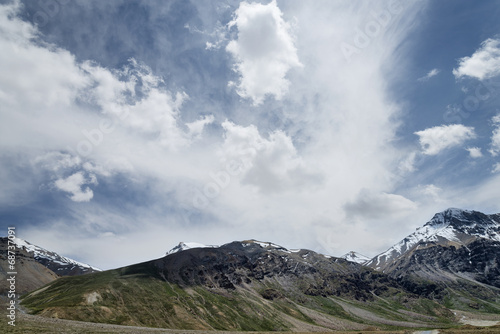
<point>452,227</point>
<point>454,258</point>
<point>37,266</point>
<point>451,262</point>
<point>241,285</point>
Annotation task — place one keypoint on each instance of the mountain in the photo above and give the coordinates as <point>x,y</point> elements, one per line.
<point>36,266</point>
<point>455,256</point>
<point>452,227</point>
<point>60,265</point>
<point>182,246</point>
<point>242,285</point>
<point>356,257</point>
<point>30,274</point>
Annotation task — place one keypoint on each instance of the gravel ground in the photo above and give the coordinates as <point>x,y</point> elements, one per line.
<point>26,323</point>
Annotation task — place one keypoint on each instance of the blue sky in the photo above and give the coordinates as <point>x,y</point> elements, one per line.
<point>129,126</point>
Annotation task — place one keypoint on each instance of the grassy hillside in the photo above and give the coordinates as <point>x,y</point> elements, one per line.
<point>138,296</point>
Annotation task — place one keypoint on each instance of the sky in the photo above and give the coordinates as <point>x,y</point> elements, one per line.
<point>129,126</point>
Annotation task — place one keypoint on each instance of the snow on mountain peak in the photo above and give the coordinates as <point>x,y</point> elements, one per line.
<point>182,246</point>
<point>446,215</point>
<point>355,257</point>
<point>40,253</point>
<point>264,244</point>
<point>452,225</point>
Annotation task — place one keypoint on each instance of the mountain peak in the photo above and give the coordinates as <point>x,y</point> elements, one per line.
<point>263,244</point>
<point>182,246</point>
<point>451,227</point>
<point>355,257</point>
<point>458,218</point>
<point>448,214</point>
<point>60,265</point>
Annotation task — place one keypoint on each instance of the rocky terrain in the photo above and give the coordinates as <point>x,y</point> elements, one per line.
<point>245,285</point>
<point>36,266</point>
<point>450,264</point>
<point>454,257</point>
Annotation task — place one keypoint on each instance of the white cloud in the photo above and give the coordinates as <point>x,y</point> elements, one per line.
<point>272,165</point>
<point>335,136</point>
<point>55,161</point>
<point>370,205</point>
<point>196,127</point>
<point>429,75</point>
<point>264,51</point>
<point>431,191</point>
<point>73,184</point>
<point>475,152</point>
<point>495,137</point>
<point>434,140</point>
<point>484,62</point>
<point>408,163</point>
<point>155,112</point>
<point>496,168</point>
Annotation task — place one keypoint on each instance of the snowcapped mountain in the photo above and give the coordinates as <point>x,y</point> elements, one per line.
<point>182,246</point>
<point>452,227</point>
<point>355,257</point>
<point>268,246</point>
<point>60,265</point>
<point>240,286</point>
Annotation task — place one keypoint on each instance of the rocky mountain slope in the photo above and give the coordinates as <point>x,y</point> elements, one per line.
<point>36,266</point>
<point>182,246</point>
<point>61,265</point>
<point>455,256</point>
<point>356,257</point>
<point>30,274</point>
<point>245,285</point>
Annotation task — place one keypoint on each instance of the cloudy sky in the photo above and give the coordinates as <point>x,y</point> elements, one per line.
<point>129,126</point>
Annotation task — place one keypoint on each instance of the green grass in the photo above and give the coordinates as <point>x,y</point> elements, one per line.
<point>136,295</point>
<point>130,297</point>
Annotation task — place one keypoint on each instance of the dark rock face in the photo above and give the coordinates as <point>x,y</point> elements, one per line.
<point>457,249</point>
<point>238,263</point>
<point>57,264</point>
<point>479,261</point>
<point>31,275</point>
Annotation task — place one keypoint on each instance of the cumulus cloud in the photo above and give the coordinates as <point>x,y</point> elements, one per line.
<point>196,128</point>
<point>429,75</point>
<point>271,164</point>
<point>70,173</point>
<point>474,152</point>
<point>372,205</point>
<point>484,62</point>
<point>325,147</point>
<point>135,97</point>
<point>55,161</point>
<point>264,51</point>
<point>74,184</point>
<point>495,137</point>
<point>45,71</point>
<point>434,140</point>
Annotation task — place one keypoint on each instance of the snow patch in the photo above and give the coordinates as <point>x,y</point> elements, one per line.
<point>182,246</point>
<point>42,253</point>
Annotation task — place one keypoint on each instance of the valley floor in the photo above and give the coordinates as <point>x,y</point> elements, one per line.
<point>36,324</point>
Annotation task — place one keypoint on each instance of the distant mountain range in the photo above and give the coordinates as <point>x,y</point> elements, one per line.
<point>37,266</point>
<point>452,262</point>
<point>453,257</point>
